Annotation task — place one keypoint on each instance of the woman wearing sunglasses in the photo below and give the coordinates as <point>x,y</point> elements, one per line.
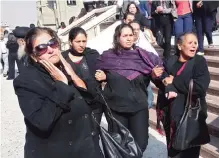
<point>58,119</point>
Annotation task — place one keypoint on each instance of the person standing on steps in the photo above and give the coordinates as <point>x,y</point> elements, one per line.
<point>203,14</point>
<point>171,101</point>
<point>184,21</point>
<point>161,13</point>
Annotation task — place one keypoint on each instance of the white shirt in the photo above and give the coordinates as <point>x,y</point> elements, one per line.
<point>3,48</point>
<point>145,44</point>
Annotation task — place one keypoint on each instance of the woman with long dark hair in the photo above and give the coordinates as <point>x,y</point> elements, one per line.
<point>183,68</point>
<point>128,70</point>
<point>139,17</point>
<point>83,61</point>
<point>58,119</point>
<point>12,46</point>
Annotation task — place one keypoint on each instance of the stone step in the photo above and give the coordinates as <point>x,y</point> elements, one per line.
<point>213,124</point>
<point>210,150</point>
<point>211,52</point>
<point>214,73</point>
<point>213,61</point>
<point>213,104</point>
<point>213,88</point>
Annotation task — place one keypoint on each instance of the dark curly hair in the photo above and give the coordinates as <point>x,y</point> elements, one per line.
<point>117,35</point>
<point>33,33</point>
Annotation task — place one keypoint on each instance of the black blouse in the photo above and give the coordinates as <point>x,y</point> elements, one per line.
<point>124,95</point>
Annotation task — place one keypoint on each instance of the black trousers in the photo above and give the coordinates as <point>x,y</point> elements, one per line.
<point>137,123</point>
<point>204,24</point>
<point>191,152</point>
<point>164,24</point>
<point>12,57</point>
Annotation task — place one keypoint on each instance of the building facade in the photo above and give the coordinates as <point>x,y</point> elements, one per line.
<point>52,13</point>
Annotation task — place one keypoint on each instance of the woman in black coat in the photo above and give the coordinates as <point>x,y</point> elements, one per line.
<point>58,119</point>
<point>12,46</point>
<point>128,70</point>
<point>139,17</point>
<point>83,61</point>
<point>172,98</point>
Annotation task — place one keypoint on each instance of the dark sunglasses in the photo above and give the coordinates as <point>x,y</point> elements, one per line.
<point>42,48</point>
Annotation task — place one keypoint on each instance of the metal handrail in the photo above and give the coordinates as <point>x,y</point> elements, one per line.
<point>90,25</point>
<point>83,19</point>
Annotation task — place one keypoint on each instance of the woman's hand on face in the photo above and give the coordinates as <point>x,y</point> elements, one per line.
<point>157,72</point>
<point>67,67</point>
<point>55,73</point>
<point>100,75</point>
<point>168,80</point>
<point>171,95</point>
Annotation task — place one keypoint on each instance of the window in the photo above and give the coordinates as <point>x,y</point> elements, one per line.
<point>71,2</point>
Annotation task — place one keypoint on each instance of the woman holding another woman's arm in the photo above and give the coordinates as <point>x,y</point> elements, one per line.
<point>128,70</point>
<point>171,101</point>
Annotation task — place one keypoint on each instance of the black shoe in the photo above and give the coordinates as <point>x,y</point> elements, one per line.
<point>4,75</point>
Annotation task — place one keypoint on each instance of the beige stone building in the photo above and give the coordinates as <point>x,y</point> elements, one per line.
<point>51,12</point>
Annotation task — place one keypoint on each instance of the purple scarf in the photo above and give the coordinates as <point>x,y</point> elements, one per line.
<point>129,63</point>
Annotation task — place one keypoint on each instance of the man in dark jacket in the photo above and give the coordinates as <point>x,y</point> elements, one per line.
<point>20,33</point>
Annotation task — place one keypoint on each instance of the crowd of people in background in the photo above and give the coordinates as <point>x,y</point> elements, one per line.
<point>11,56</point>
<point>59,92</point>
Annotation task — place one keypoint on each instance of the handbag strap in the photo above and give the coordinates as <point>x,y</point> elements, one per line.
<point>181,69</point>
<point>189,97</point>
<point>109,112</point>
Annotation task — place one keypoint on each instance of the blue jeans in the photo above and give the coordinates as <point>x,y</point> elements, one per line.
<point>183,24</point>
<point>150,96</point>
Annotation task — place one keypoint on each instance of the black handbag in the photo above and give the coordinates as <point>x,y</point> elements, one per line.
<point>119,144</point>
<point>187,133</point>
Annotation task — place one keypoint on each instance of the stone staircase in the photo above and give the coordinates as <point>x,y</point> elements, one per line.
<point>210,150</point>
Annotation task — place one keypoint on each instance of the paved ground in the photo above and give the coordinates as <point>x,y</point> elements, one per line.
<point>13,129</point>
